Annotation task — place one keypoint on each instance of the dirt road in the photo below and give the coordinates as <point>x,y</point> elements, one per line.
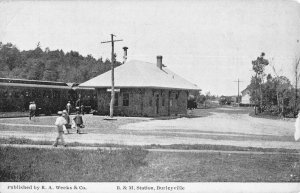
<point>223,126</point>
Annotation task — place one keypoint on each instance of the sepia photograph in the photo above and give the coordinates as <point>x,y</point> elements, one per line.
<point>149,96</point>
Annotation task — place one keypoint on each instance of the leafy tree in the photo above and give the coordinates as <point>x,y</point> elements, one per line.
<point>36,69</point>
<point>258,67</point>
<point>9,56</point>
<point>283,90</point>
<point>296,69</point>
<point>201,99</point>
<point>278,95</point>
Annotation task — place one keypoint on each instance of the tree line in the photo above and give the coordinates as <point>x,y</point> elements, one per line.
<point>50,65</point>
<point>274,95</point>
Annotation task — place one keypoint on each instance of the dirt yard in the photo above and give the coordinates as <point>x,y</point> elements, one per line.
<point>222,126</point>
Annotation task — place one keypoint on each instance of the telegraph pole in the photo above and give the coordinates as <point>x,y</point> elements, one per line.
<point>238,81</point>
<point>112,100</point>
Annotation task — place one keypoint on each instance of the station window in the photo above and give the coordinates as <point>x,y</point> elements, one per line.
<point>125,99</point>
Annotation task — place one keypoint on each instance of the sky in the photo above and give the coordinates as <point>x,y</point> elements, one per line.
<point>209,43</point>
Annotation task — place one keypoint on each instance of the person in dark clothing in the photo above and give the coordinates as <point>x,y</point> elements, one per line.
<point>67,117</point>
<point>79,122</point>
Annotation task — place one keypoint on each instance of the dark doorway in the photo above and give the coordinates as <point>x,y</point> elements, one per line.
<point>157,103</point>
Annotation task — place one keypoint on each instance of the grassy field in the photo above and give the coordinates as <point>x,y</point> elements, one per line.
<point>138,165</point>
<point>204,167</point>
<point>65,165</point>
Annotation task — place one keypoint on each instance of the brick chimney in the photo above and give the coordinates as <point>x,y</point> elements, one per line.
<point>159,62</point>
<point>125,54</point>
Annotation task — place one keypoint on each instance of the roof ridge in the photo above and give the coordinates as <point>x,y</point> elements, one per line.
<point>136,73</point>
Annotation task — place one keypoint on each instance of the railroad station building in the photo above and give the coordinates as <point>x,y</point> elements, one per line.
<point>142,89</point>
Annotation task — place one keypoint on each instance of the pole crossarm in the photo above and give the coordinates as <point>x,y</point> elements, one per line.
<point>238,81</point>
<point>111,41</point>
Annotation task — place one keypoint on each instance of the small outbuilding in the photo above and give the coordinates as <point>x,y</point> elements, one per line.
<point>142,89</point>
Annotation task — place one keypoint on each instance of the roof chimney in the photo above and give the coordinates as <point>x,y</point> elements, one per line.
<point>159,62</point>
<point>125,54</point>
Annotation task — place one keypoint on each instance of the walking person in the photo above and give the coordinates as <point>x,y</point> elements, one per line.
<point>69,106</point>
<point>78,122</point>
<point>67,117</point>
<point>32,108</point>
<point>60,122</point>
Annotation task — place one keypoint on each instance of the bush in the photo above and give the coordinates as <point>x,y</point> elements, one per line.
<point>275,110</point>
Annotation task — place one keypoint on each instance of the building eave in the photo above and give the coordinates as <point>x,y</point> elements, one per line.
<point>135,87</point>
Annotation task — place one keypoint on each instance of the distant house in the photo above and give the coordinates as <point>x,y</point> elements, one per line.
<point>245,98</point>
<point>143,89</point>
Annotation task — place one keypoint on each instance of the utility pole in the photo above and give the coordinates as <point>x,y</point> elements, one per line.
<point>238,98</point>
<point>112,100</point>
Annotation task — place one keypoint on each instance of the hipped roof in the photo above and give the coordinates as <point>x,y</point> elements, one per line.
<point>139,74</point>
